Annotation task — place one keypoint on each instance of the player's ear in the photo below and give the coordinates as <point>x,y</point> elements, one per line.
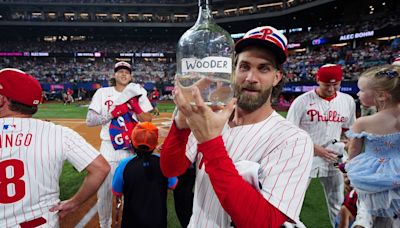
<point>3,100</point>
<point>278,77</point>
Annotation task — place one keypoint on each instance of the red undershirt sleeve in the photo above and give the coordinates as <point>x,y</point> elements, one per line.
<point>173,160</point>
<point>246,206</point>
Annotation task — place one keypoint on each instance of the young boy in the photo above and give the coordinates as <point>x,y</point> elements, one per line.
<point>139,179</point>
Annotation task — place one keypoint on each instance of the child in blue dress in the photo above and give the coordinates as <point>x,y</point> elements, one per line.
<point>375,173</point>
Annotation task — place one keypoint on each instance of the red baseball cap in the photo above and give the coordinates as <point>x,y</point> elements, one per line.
<point>145,134</point>
<point>268,37</point>
<point>122,65</point>
<point>20,87</point>
<point>330,73</point>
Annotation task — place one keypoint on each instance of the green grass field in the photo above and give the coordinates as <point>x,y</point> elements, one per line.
<point>314,213</point>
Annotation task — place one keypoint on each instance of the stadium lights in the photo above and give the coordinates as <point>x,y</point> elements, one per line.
<point>237,35</point>
<point>229,10</point>
<point>339,45</point>
<point>388,37</point>
<point>300,50</point>
<point>181,15</point>
<point>246,8</point>
<point>270,4</point>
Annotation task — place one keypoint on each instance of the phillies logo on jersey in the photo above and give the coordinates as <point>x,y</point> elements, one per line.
<point>331,116</point>
<point>108,103</point>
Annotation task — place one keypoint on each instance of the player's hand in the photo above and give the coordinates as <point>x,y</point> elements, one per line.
<point>201,84</point>
<point>119,110</point>
<point>183,103</point>
<point>133,90</point>
<point>118,209</point>
<point>202,120</point>
<point>179,118</point>
<point>134,105</point>
<point>326,154</point>
<point>64,208</point>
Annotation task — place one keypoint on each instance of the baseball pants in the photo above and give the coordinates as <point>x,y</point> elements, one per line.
<point>334,193</point>
<point>104,198</point>
<point>104,194</point>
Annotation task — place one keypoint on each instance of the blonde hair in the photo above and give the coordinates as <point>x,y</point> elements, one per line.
<point>384,78</point>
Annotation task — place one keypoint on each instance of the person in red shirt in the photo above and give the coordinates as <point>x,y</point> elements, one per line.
<point>153,97</point>
<point>70,98</point>
<point>252,165</point>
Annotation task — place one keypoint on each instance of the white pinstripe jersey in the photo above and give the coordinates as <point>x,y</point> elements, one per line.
<point>285,154</point>
<point>32,154</point>
<point>323,120</point>
<point>103,102</point>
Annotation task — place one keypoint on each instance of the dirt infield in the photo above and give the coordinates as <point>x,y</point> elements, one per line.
<point>86,215</point>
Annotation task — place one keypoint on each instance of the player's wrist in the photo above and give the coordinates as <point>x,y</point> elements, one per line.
<point>119,110</point>
<point>134,105</point>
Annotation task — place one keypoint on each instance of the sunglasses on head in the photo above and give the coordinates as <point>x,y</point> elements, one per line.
<point>387,73</point>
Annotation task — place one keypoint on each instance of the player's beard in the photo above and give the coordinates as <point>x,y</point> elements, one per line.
<point>251,102</point>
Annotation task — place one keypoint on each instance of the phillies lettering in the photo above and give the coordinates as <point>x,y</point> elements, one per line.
<point>20,139</point>
<point>108,103</point>
<point>332,116</point>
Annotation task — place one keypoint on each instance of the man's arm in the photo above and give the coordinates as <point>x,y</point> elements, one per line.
<point>173,160</point>
<point>94,119</point>
<point>141,108</point>
<point>97,170</point>
<point>144,117</point>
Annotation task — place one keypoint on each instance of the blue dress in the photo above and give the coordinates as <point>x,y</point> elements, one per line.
<point>375,174</point>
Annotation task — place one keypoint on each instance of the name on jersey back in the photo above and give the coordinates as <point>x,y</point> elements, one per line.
<point>12,139</point>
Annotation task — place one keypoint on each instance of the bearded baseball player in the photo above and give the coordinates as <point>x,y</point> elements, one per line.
<point>123,103</point>
<point>32,154</point>
<point>252,165</point>
<point>324,113</point>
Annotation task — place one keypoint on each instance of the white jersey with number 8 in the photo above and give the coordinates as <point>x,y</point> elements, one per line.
<point>32,154</point>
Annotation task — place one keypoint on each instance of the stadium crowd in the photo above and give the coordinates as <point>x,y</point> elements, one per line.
<point>60,71</point>
<point>301,66</point>
<point>88,46</point>
<point>336,29</point>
